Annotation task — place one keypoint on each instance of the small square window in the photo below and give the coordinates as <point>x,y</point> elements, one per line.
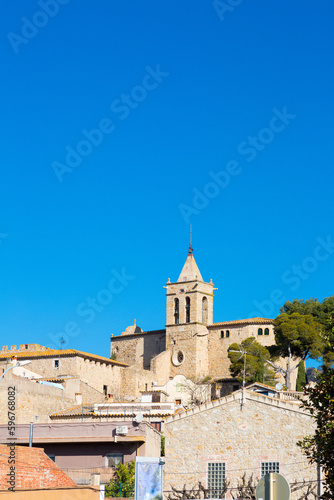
<point>114,459</point>
<point>267,467</point>
<point>52,457</point>
<point>216,479</point>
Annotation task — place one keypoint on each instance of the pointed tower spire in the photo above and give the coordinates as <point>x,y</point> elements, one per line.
<point>190,271</point>
<point>191,250</point>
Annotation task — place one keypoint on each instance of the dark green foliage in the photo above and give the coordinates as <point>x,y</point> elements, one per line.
<point>312,374</point>
<point>298,335</point>
<point>123,484</point>
<point>319,448</point>
<point>301,377</point>
<point>162,445</point>
<point>257,369</point>
<point>113,356</point>
<point>323,314</point>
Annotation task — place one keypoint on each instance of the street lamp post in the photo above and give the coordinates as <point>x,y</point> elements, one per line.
<point>243,353</point>
<point>19,363</point>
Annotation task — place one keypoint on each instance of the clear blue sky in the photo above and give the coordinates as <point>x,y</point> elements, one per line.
<point>217,117</point>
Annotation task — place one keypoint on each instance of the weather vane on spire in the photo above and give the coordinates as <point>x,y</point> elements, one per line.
<point>190,251</point>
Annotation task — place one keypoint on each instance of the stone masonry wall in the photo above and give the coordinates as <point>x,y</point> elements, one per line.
<point>94,373</point>
<point>219,362</point>
<point>190,340</point>
<point>138,348</point>
<point>265,430</point>
<point>181,290</point>
<point>32,399</point>
<point>217,346</point>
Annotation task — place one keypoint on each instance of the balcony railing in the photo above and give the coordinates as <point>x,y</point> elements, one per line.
<point>130,409</point>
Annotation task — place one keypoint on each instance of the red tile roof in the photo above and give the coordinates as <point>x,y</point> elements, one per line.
<point>58,353</point>
<point>248,321</point>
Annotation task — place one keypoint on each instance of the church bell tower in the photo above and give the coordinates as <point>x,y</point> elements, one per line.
<point>189,311</point>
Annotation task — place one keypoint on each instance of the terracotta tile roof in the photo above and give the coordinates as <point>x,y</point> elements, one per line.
<point>53,379</point>
<point>58,353</point>
<point>259,384</point>
<point>87,410</point>
<point>74,411</point>
<point>248,321</point>
<point>159,391</point>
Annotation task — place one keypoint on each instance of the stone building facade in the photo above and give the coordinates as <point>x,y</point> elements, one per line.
<point>224,439</point>
<point>191,344</point>
<point>98,373</point>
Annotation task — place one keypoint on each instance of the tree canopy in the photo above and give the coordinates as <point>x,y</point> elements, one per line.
<point>257,356</point>
<point>123,483</point>
<point>312,339</point>
<point>298,335</point>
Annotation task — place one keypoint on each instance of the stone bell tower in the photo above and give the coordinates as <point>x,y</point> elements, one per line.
<point>189,311</point>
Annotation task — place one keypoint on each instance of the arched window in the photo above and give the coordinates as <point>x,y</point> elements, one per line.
<point>259,331</point>
<point>266,331</point>
<point>205,310</point>
<point>187,309</point>
<point>176,311</point>
<point>227,334</point>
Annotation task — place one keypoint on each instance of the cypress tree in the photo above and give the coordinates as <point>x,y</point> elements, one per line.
<point>301,377</point>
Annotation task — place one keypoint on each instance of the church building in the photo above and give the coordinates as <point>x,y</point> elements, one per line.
<point>191,345</point>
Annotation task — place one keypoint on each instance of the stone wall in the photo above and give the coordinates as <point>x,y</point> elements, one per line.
<point>153,442</point>
<point>181,290</point>
<point>265,430</point>
<point>136,379</point>
<point>95,373</point>
<point>138,348</point>
<point>189,352</point>
<point>32,399</point>
<point>217,346</point>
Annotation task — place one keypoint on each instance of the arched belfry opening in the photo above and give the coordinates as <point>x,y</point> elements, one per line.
<point>176,311</point>
<point>205,310</point>
<point>185,304</point>
<point>187,309</point>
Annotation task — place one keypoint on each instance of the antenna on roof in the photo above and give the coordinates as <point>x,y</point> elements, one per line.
<point>190,251</point>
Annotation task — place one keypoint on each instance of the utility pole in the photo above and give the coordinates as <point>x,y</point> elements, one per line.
<point>242,352</point>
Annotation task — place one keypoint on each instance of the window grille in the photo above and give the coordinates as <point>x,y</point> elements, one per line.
<point>267,467</point>
<point>216,479</point>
